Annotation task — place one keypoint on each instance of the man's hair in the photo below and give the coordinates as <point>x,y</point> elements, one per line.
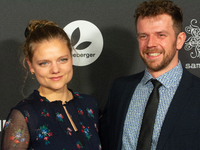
<point>153,8</point>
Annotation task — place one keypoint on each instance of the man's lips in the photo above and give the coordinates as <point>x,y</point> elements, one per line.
<point>153,54</point>
<point>56,78</point>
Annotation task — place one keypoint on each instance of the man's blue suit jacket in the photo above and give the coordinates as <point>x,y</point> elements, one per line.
<point>181,127</point>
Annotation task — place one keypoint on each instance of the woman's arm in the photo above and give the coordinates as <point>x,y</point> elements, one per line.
<point>15,133</point>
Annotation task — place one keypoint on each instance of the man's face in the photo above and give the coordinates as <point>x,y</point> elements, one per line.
<point>157,43</point>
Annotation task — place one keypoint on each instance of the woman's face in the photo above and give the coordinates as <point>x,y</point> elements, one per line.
<point>52,64</point>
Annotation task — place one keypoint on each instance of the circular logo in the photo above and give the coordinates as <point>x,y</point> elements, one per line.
<point>87,41</point>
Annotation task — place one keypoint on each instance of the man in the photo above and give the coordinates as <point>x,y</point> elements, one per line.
<point>177,122</point>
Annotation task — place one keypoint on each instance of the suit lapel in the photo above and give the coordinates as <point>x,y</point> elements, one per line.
<point>178,102</point>
<point>124,102</point>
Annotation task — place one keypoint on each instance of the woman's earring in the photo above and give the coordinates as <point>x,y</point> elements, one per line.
<point>32,75</point>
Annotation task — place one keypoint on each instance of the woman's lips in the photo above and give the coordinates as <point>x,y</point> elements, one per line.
<point>56,78</point>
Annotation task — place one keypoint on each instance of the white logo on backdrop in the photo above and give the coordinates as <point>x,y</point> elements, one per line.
<point>194,40</point>
<point>193,43</point>
<point>87,41</point>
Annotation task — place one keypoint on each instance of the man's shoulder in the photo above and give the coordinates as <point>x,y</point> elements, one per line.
<point>189,77</point>
<point>187,74</point>
<point>135,77</point>
<point>127,81</point>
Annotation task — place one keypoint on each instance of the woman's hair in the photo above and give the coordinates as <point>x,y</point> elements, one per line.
<point>40,31</point>
<point>153,8</point>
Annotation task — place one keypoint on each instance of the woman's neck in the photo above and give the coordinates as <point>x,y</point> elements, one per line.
<point>52,95</point>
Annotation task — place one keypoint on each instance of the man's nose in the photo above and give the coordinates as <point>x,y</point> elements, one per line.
<point>152,41</point>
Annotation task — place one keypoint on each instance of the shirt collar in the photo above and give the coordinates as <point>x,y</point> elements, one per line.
<point>168,79</point>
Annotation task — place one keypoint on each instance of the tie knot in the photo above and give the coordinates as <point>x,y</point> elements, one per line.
<point>156,83</point>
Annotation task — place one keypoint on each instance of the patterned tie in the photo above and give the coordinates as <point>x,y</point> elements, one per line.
<point>146,131</point>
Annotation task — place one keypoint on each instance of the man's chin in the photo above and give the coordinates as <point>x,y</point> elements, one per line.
<point>154,67</point>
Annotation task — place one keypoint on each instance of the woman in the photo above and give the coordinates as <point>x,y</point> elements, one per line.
<point>52,117</point>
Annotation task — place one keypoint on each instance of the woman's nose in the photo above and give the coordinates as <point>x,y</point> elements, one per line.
<point>55,68</point>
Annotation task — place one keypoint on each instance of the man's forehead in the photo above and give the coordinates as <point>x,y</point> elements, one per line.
<point>155,24</point>
<point>155,17</point>
<point>159,20</point>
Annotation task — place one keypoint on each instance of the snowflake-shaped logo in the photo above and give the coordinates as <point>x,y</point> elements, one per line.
<point>194,40</point>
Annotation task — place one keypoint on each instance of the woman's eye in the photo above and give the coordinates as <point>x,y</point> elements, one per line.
<point>43,64</point>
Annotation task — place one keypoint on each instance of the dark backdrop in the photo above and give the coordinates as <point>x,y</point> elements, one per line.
<point>119,56</point>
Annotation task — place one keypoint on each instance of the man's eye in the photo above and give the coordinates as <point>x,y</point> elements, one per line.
<point>142,36</point>
<point>161,35</point>
<point>64,59</point>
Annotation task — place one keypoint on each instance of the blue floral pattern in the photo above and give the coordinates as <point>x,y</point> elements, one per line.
<point>18,137</point>
<point>44,133</point>
<point>90,112</point>
<point>8,122</point>
<point>86,131</point>
<point>59,116</point>
<point>49,126</point>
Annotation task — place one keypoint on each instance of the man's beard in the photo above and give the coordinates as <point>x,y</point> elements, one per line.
<point>165,61</point>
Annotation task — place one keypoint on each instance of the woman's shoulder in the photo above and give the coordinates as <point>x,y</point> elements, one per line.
<point>85,98</point>
<point>87,103</point>
<point>29,101</point>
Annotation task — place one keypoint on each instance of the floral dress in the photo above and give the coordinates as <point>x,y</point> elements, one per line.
<point>38,124</point>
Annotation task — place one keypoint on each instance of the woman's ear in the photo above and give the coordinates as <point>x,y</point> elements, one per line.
<point>30,66</point>
<point>180,40</point>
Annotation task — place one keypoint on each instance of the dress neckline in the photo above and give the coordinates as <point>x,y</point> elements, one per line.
<point>42,98</point>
